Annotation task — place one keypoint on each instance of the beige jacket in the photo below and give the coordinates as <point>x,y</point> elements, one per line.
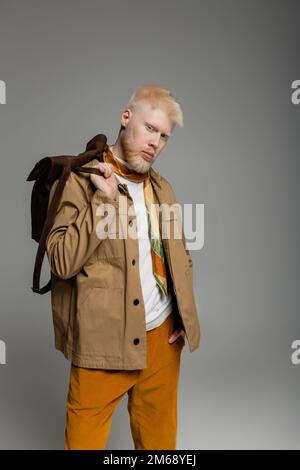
<point>96,297</point>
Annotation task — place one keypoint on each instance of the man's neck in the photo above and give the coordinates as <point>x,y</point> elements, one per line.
<point>115,154</point>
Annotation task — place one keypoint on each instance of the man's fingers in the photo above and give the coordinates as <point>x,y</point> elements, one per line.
<point>175,335</point>
<point>106,169</point>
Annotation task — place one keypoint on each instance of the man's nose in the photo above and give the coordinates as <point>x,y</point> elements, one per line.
<point>155,141</point>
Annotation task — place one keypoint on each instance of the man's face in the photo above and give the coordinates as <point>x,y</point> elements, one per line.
<point>146,130</point>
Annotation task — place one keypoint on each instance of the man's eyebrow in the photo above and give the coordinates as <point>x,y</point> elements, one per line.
<point>155,128</point>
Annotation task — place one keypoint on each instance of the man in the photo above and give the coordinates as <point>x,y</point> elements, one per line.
<point>122,305</point>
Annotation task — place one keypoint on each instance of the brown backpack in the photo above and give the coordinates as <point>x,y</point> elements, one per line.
<point>45,172</point>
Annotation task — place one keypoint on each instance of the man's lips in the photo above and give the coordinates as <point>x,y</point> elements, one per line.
<point>149,156</point>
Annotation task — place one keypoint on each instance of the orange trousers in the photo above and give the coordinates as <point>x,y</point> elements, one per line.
<point>152,398</point>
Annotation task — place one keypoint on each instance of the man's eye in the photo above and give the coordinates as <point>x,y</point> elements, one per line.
<point>148,127</point>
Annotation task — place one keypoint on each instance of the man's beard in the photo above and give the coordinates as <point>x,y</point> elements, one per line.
<point>136,161</point>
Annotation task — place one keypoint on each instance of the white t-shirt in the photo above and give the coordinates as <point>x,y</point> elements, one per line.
<point>157,305</point>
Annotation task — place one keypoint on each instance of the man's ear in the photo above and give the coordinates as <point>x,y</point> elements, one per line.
<point>125,117</point>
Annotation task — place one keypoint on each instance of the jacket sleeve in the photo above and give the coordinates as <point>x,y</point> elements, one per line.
<point>73,237</point>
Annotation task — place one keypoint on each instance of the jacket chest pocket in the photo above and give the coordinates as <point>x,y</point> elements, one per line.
<point>171,227</point>
<point>112,244</point>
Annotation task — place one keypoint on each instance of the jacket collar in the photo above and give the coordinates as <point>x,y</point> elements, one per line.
<point>155,178</point>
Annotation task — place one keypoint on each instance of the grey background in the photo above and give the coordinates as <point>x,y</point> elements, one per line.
<point>70,67</point>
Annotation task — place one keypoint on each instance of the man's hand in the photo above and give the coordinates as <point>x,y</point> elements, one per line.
<point>176,335</point>
<point>107,183</point>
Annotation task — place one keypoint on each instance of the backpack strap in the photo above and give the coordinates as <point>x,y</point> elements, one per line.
<point>46,229</point>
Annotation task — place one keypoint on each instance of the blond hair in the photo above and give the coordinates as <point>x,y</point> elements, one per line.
<point>158,97</point>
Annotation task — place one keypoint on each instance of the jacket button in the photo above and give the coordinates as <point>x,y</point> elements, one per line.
<point>133,262</point>
<point>136,341</point>
<point>136,301</point>
<point>121,189</point>
<point>130,222</point>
